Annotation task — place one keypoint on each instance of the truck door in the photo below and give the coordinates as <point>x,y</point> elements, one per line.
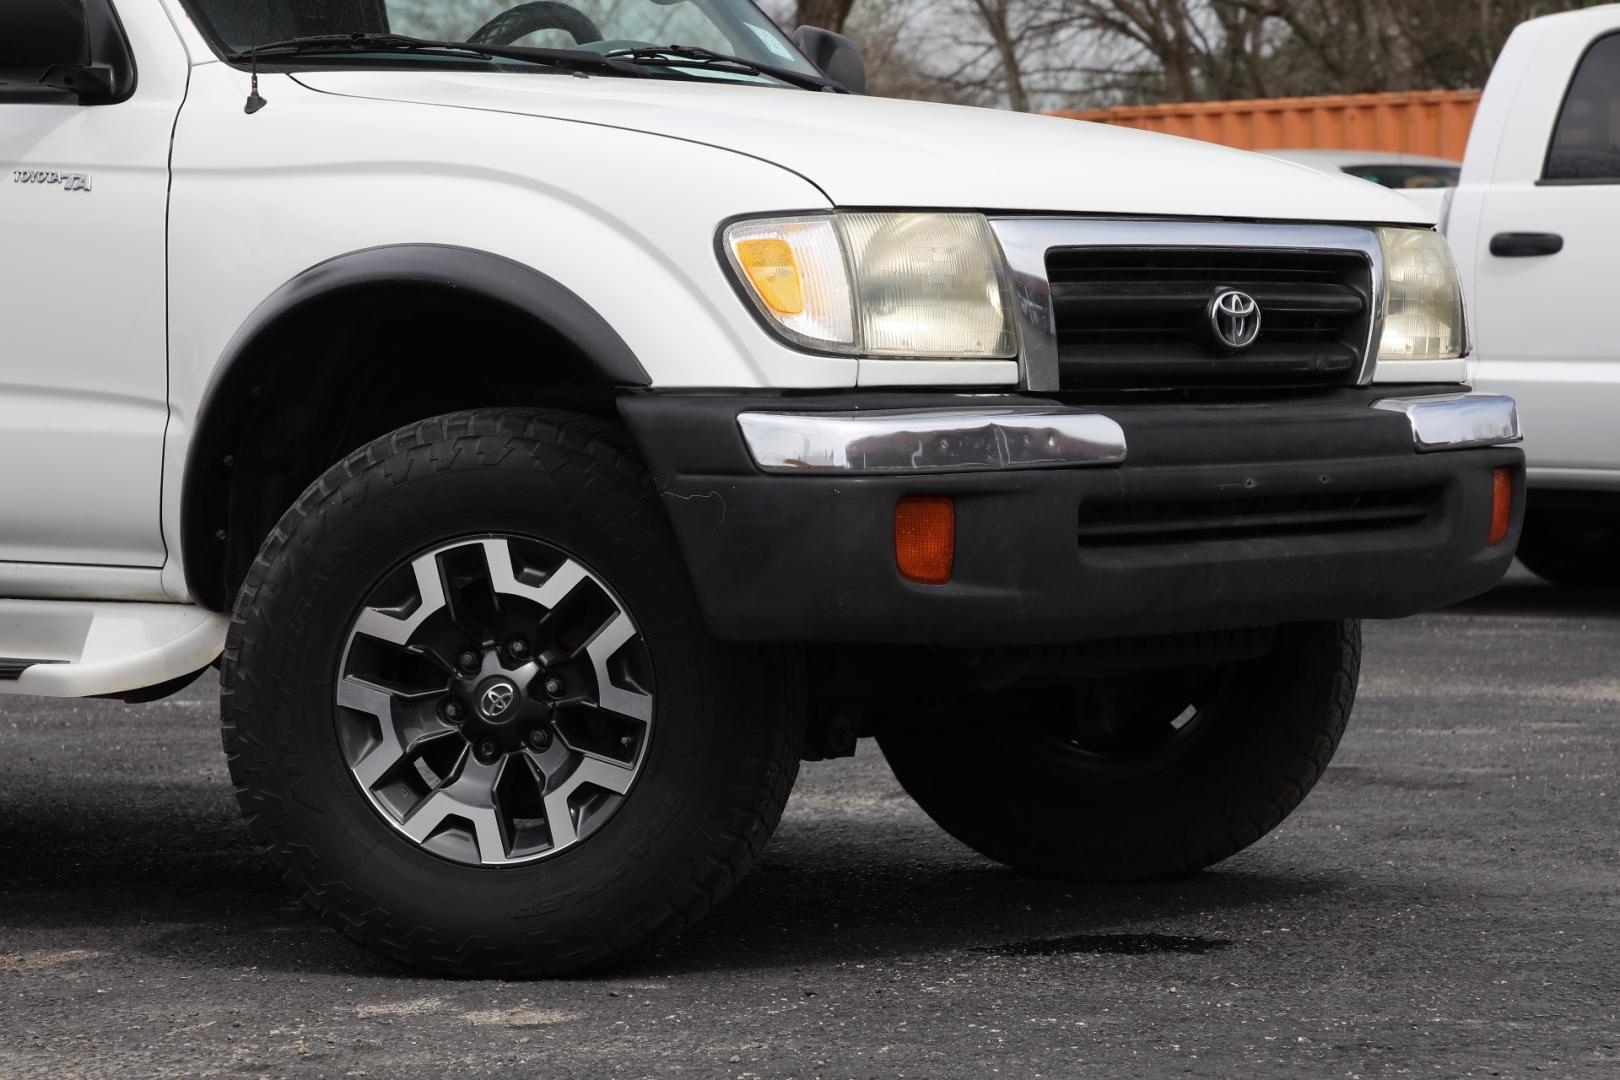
<point>1547,316</point>
<point>83,335</point>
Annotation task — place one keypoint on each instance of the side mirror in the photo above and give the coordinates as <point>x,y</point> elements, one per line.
<point>63,52</point>
<point>835,55</point>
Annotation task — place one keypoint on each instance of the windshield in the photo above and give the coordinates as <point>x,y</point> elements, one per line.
<point>1408,176</point>
<point>733,27</point>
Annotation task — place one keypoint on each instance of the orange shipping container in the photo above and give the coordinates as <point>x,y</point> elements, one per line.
<point>1411,122</point>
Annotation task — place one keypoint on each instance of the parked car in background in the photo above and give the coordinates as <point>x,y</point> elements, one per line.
<point>1535,225</point>
<point>1424,180</point>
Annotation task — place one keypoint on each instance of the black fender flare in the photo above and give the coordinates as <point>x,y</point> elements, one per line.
<point>228,399</point>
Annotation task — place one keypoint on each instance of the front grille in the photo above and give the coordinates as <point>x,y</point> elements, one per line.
<point>1253,517</point>
<point>1139,316</point>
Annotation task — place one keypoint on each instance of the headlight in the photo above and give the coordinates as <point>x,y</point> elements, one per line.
<point>1423,303</point>
<point>887,285</point>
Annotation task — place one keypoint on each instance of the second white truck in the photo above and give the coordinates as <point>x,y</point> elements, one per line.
<point>1535,224</point>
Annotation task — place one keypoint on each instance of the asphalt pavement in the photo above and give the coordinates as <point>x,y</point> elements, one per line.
<point>1444,904</point>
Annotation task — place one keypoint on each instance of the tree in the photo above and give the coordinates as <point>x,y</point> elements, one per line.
<point>827,14</point>
<point>1040,53</point>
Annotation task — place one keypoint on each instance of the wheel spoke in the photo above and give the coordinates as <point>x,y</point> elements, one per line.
<point>603,773</point>
<point>563,580</point>
<point>602,646</point>
<point>599,772</point>
<point>427,738</point>
<point>470,797</point>
<point>367,697</point>
<point>421,727</point>
<point>380,624</point>
<point>380,760</point>
<point>471,598</point>
<point>550,761</point>
<point>560,820</point>
<point>432,657</point>
<point>567,736</point>
<point>410,693</point>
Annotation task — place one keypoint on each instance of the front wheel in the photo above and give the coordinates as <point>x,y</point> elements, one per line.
<point>471,711</point>
<point>1140,777</point>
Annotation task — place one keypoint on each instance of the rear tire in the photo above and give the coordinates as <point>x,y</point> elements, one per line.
<point>609,773</point>
<point>1572,547</point>
<point>1141,778</point>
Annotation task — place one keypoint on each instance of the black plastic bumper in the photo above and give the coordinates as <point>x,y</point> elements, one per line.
<point>1222,515</point>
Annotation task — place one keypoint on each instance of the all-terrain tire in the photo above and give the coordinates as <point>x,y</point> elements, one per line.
<point>718,763</point>
<point>1259,742</point>
<point>1572,548</point>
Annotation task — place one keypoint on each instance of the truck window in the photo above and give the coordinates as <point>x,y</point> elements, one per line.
<point>244,23</point>
<point>1407,176</point>
<point>598,26</point>
<point>35,36</point>
<point>1586,141</point>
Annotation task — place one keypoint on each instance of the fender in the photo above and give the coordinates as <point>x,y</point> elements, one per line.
<point>229,396</point>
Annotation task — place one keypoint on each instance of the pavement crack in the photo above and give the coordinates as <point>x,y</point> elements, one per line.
<point>1108,945</point>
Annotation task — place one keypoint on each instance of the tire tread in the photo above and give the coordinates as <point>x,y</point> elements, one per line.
<point>1254,786</point>
<point>609,467</point>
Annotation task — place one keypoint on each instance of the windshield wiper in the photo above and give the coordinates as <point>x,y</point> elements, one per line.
<point>563,59</point>
<point>696,56</point>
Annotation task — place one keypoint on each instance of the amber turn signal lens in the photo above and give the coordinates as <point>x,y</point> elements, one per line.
<point>1501,504</point>
<point>925,539</point>
<point>769,265</point>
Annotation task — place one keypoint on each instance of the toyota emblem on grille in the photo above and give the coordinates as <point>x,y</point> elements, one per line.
<point>497,699</point>
<point>1235,318</point>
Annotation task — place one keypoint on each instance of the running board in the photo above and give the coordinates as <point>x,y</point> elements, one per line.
<point>83,648</point>
<point>11,667</point>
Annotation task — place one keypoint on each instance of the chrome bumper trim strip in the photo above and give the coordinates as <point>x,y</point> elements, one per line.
<point>1458,421</point>
<point>931,440</point>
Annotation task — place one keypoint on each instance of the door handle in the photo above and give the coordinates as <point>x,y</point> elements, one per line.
<point>1519,245</point>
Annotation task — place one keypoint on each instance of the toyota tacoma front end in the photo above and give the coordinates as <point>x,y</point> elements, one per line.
<point>559,419</point>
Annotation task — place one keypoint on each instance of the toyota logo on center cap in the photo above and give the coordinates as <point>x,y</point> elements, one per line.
<point>1235,319</point>
<point>496,699</point>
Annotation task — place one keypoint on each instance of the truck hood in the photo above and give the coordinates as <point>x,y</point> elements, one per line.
<point>878,152</point>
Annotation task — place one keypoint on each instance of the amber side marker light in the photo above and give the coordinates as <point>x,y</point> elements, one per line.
<point>925,539</point>
<point>1501,504</point>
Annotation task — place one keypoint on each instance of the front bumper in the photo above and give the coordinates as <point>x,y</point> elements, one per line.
<point>1197,516</point>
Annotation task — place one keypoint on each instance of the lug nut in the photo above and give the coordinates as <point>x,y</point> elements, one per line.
<point>487,751</point>
<point>467,660</point>
<point>554,685</point>
<point>453,711</point>
<point>518,648</point>
<point>540,738</point>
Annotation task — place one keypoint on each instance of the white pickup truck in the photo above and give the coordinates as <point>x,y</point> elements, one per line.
<point>557,419</point>
<point>1535,223</point>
